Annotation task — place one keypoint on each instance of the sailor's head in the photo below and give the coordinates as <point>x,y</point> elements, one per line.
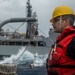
<point>62,17</point>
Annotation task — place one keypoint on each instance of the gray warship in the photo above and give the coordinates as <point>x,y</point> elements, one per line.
<point>11,42</point>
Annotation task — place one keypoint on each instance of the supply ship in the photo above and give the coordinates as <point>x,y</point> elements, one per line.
<point>11,42</point>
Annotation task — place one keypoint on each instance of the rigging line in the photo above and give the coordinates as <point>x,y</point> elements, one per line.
<point>19,27</point>
<point>22,52</point>
<point>46,35</point>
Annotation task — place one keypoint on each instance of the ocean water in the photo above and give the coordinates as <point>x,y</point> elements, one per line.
<point>28,63</point>
<point>32,71</point>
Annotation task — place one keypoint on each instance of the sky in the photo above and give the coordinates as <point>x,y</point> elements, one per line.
<point>43,8</point>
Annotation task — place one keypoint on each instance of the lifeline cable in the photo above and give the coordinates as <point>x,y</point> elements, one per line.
<point>29,44</point>
<point>22,52</point>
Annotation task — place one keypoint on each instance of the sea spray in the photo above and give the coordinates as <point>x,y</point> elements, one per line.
<point>26,57</point>
<point>13,58</point>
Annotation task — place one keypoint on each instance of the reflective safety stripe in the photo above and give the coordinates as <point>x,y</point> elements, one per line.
<point>51,52</point>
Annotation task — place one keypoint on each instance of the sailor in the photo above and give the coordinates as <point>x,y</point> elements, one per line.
<point>61,59</point>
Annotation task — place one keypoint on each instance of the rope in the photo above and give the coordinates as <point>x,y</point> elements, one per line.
<point>25,48</point>
<point>28,46</point>
<point>7,73</point>
<point>19,27</point>
<point>7,69</point>
<point>21,54</point>
<point>29,42</point>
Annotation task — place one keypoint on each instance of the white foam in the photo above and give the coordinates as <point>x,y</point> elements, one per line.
<point>38,60</point>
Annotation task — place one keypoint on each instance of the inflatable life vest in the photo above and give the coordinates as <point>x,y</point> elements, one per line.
<point>58,62</point>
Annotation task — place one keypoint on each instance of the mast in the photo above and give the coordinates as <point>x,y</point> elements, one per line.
<point>29,13</point>
<point>32,27</point>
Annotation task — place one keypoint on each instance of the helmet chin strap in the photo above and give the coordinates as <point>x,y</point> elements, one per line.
<point>60,26</point>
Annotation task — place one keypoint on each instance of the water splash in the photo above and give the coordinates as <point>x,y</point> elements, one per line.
<point>27,57</point>
<point>15,57</point>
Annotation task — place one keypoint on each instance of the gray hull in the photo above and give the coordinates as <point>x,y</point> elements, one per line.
<point>11,50</point>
